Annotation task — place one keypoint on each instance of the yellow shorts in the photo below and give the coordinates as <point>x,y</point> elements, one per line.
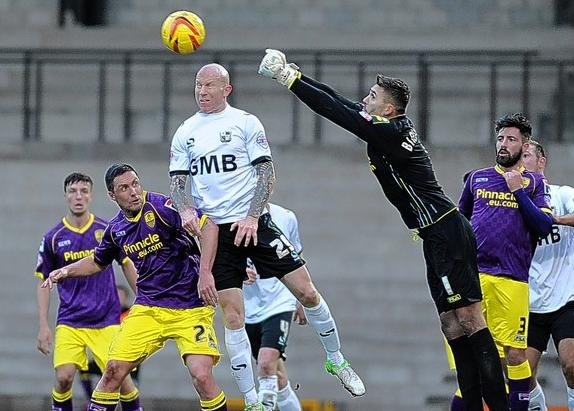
<point>70,345</point>
<point>146,329</point>
<point>505,308</point>
<point>449,355</point>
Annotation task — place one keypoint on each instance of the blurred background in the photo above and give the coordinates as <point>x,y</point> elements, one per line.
<point>84,83</point>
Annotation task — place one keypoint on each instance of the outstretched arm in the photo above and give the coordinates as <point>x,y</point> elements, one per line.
<point>247,228</point>
<point>332,92</point>
<point>320,98</point>
<point>82,268</point>
<point>184,204</point>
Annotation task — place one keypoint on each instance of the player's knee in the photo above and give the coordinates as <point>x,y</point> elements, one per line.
<point>234,319</point>
<point>309,296</point>
<point>568,371</point>
<point>515,356</point>
<point>450,326</point>
<point>114,374</point>
<point>64,381</point>
<point>202,378</point>
<point>267,367</point>
<point>281,379</point>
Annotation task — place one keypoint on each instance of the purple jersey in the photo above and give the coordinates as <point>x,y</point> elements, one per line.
<point>166,257</point>
<point>505,246</point>
<point>87,302</point>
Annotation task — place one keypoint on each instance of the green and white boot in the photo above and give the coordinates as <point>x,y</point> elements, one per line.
<point>256,406</point>
<point>348,377</point>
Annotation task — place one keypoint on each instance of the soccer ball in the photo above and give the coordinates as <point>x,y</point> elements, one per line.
<point>183,32</point>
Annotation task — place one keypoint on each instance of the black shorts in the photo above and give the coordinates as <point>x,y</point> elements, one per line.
<point>558,324</point>
<point>270,333</point>
<point>273,256</point>
<point>449,248</point>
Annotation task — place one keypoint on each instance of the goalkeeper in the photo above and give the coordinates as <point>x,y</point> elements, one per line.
<point>403,168</point>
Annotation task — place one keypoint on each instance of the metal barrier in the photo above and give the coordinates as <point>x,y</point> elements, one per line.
<point>34,61</point>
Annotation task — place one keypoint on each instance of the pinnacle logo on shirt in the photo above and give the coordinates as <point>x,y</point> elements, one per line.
<point>149,244</point>
<point>77,255</point>
<point>497,198</point>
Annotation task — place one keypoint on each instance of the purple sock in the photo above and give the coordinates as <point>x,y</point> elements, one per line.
<point>519,395</point>
<point>133,405</point>
<point>87,386</point>
<point>457,404</point>
<point>63,405</point>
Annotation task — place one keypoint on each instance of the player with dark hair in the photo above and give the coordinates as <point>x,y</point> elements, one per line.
<point>148,230</point>
<point>508,212</point>
<point>551,284</point>
<point>89,311</point>
<point>225,153</point>
<point>403,167</point>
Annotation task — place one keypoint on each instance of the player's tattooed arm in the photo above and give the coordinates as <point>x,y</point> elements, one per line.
<point>263,189</point>
<point>178,193</point>
<point>184,203</point>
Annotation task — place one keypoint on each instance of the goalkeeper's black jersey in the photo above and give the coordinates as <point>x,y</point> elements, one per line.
<point>396,156</point>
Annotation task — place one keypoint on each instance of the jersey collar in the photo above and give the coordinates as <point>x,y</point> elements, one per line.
<point>80,230</point>
<point>137,217</point>
<point>500,170</point>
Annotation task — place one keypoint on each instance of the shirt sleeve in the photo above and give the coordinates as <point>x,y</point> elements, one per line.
<point>107,251</point>
<point>379,131</point>
<point>466,201</point>
<point>179,156</point>
<point>539,197</point>
<point>168,212</point>
<point>256,141</point>
<point>46,260</point>
<point>567,197</point>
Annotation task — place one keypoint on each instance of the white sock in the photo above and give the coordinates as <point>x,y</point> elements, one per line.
<point>321,320</point>
<point>268,391</point>
<point>537,400</point>
<point>239,351</point>
<point>287,399</point>
<point>570,392</point>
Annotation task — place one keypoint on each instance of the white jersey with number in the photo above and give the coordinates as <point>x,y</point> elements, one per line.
<point>552,270</point>
<point>267,297</point>
<point>220,150</point>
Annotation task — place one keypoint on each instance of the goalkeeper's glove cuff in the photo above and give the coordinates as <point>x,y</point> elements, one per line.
<point>288,75</point>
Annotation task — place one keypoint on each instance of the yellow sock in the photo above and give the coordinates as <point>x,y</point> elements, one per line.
<point>130,396</point>
<point>61,396</point>
<point>105,398</point>
<point>519,372</point>
<point>214,404</point>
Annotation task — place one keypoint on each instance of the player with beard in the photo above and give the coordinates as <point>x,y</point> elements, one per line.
<point>507,209</point>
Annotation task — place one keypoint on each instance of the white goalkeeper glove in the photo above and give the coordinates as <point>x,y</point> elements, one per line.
<point>274,65</point>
